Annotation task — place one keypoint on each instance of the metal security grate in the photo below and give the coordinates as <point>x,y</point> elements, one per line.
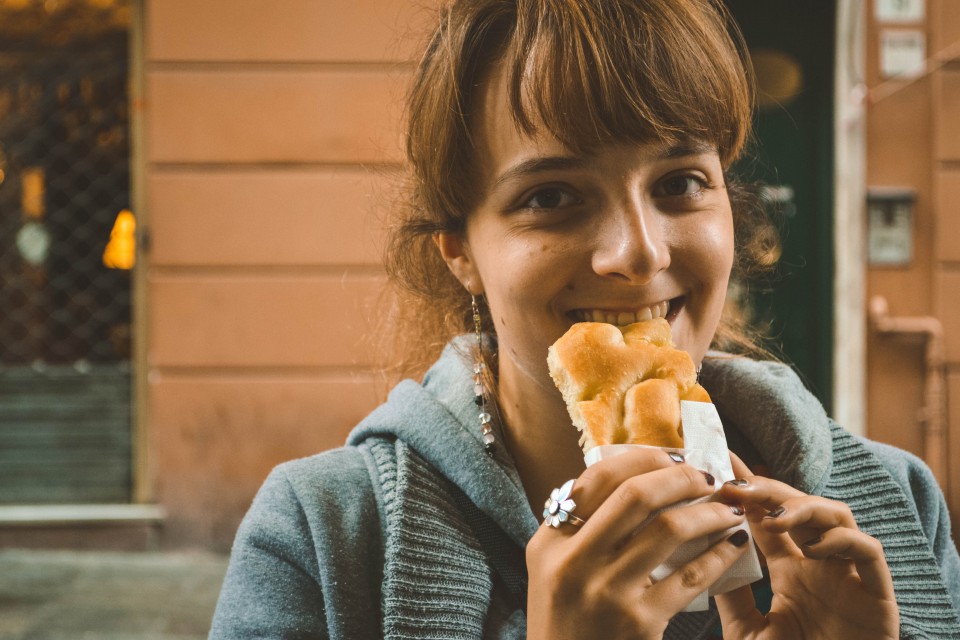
<point>65,405</point>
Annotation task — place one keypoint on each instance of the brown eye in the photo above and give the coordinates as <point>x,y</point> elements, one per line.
<point>551,198</point>
<point>682,186</point>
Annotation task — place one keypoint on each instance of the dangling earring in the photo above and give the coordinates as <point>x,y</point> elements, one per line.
<point>479,386</point>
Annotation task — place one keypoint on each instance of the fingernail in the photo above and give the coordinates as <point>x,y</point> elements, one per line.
<point>776,513</point>
<point>737,509</point>
<point>810,543</point>
<point>739,538</point>
<point>710,479</point>
<point>676,457</point>
<point>739,482</point>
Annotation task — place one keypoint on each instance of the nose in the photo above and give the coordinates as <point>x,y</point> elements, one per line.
<point>632,245</point>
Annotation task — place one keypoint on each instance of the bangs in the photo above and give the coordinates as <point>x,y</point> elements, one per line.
<point>595,73</point>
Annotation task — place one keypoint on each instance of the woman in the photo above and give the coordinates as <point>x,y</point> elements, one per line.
<point>568,162</point>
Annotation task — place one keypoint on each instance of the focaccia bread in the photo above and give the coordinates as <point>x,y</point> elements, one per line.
<point>623,385</point>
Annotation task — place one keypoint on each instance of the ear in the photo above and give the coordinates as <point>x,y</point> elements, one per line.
<point>456,253</point>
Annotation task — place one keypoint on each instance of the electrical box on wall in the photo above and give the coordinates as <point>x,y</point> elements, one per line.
<point>890,225</point>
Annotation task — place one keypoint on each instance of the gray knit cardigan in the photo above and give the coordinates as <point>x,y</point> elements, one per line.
<point>368,540</point>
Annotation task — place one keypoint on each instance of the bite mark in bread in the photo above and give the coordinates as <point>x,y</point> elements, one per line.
<point>623,385</point>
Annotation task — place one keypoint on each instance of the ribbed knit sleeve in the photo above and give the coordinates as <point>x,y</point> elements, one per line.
<point>436,579</point>
<point>919,483</point>
<point>884,510</point>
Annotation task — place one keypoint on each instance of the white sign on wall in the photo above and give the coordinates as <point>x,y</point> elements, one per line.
<point>902,52</point>
<point>899,10</point>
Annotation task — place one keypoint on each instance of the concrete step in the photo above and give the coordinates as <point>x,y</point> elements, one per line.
<point>105,527</point>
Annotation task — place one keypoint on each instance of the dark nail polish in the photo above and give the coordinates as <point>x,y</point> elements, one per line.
<point>710,479</point>
<point>739,538</point>
<point>737,509</point>
<point>776,513</point>
<point>810,543</point>
<point>676,457</point>
<point>739,482</point>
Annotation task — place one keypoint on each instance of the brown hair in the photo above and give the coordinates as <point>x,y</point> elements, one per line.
<point>591,72</point>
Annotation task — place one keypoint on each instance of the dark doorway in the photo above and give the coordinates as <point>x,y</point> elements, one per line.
<point>792,44</point>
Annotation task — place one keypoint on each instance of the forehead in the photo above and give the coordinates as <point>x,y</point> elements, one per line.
<point>498,137</point>
<point>501,142</point>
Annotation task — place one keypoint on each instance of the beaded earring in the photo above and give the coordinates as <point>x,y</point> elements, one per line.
<point>479,385</point>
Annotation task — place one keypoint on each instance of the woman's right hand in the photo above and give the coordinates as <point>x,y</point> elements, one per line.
<point>594,581</point>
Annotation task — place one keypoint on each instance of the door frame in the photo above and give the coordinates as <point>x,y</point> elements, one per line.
<point>849,282</point>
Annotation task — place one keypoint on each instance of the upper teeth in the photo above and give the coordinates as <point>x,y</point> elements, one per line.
<point>622,318</point>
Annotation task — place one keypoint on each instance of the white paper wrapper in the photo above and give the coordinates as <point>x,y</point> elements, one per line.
<point>704,447</point>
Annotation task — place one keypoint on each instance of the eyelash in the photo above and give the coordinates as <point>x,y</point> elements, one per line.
<point>525,204</point>
<point>701,181</point>
<point>573,200</point>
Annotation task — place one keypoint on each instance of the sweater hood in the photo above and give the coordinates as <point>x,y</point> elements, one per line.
<point>764,406</point>
<point>440,421</point>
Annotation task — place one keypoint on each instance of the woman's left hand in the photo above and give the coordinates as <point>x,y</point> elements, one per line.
<point>829,579</point>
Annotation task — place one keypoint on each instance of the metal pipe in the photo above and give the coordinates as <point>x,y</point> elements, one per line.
<point>932,416</point>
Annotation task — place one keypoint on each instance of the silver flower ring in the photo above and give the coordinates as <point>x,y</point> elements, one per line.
<point>558,509</point>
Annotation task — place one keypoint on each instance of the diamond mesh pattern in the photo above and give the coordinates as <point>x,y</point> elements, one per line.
<point>64,154</point>
<point>65,392</point>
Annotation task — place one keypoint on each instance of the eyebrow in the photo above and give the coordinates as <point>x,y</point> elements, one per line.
<point>560,163</point>
<point>540,165</point>
<point>690,147</point>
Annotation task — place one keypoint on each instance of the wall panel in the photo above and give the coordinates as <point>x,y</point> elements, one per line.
<point>284,30</point>
<point>262,321</point>
<point>272,141</point>
<point>948,298</point>
<point>284,117</point>
<point>215,439</point>
<point>948,138</point>
<point>947,18</point>
<point>255,217</point>
<point>948,220</point>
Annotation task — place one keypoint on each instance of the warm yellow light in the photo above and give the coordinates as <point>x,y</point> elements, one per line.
<point>33,192</point>
<point>121,251</point>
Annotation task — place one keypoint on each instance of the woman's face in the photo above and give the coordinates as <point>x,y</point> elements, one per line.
<point>624,234</point>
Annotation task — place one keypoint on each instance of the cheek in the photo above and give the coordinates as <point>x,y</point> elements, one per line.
<point>708,249</point>
<point>529,267</point>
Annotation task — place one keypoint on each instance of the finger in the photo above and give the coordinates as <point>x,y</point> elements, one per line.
<point>639,497</point>
<point>738,612</point>
<point>805,517</point>
<point>759,496</point>
<point>809,511</point>
<point>600,480</point>
<point>772,544</point>
<point>679,589</point>
<point>663,535</point>
<point>758,491</point>
<point>740,469</point>
<point>864,551</point>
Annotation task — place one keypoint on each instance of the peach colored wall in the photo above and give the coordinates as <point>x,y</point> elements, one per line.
<point>913,140</point>
<point>272,133</point>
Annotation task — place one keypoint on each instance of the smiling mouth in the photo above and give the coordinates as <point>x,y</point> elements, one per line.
<point>668,309</point>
